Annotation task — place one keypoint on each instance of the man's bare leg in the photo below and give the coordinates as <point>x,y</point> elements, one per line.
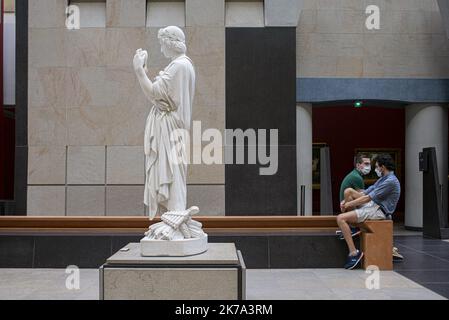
<point>343,221</point>
<point>351,194</point>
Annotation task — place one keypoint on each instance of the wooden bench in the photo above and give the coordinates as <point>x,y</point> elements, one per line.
<point>376,239</point>
<point>377,243</point>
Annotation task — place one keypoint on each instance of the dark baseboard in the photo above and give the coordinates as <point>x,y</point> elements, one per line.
<point>413,228</point>
<point>91,251</point>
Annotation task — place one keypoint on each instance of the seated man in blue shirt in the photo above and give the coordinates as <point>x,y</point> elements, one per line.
<point>378,202</point>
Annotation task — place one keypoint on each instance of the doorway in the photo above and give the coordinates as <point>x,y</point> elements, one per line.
<point>346,129</point>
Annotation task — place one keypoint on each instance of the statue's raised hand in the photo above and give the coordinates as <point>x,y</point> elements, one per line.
<point>140,59</point>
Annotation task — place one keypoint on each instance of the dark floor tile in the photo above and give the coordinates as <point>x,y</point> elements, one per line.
<point>16,251</point>
<point>424,262</point>
<point>254,249</point>
<point>429,247</point>
<point>440,288</point>
<point>435,248</point>
<point>405,249</point>
<point>417,238</point>
<point>438,254</point>
<point>406,252</point>
<point>427,276</point>
<point>419,242</point>
<point>61,251</point>
<point>421,261</point>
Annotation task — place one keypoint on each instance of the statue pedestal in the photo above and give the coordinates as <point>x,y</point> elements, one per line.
<point>173,248</point>
<point>217,274</point>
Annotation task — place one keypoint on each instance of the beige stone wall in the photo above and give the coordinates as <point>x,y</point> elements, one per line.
<point>86,111</point>
<point>332,40</point>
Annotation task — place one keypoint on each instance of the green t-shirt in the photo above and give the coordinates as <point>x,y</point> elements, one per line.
<point>353,180</point>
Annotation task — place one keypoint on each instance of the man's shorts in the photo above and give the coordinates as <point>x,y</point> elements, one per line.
<point>369,211</point>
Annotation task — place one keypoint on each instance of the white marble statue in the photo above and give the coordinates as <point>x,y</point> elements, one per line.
<point>171,94</point>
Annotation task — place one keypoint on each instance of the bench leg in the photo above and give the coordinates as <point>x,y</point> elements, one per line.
<point>377,246</point>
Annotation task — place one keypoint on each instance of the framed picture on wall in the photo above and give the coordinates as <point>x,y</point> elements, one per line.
<point>395,153</point>
<point>316,161</point>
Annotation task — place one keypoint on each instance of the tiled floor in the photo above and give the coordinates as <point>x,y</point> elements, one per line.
<point>46,284</point>
<point>287,284</point>
<point>330,284</point>
<point>426,262</point>
<point>424,274</point>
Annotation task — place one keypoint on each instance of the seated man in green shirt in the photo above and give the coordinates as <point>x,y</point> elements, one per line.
<point>354,181</point>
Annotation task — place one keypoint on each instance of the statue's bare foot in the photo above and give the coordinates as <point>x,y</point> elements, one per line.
<point>193,210</point>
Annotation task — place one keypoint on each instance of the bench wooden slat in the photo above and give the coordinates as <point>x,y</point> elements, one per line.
<point>144,222</point>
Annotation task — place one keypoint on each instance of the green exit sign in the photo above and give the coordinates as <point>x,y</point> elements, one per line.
<point>358,104</point>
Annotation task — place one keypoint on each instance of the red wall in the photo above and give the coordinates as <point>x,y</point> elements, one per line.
<point>2,120</point>
<point>6,136</point>
<point>7,130</point>
<point>1,55</point>
<point>346,128</point>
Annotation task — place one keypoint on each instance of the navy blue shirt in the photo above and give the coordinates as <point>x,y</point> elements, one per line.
<point>385,192</point>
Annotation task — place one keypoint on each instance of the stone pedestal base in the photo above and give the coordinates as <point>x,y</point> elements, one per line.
<point>217,274</point>
<point>173,248</point>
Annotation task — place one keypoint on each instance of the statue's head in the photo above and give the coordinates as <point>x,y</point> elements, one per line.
<point>172,41</point>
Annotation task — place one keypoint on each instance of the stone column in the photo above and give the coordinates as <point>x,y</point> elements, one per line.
<point>426,126</point>
<point>304,154</point>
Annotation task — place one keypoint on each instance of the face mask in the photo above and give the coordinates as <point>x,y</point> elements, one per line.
<point>378,172</point>
<point>365,170</point>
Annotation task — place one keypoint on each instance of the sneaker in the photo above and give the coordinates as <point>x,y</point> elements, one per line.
<point>354,233</point>
<point>353,261</point>
<point>397,257</point>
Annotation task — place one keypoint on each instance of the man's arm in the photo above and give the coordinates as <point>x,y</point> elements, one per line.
<point>369,190</point>
<point>383,191</point>
<point>357,202</point>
